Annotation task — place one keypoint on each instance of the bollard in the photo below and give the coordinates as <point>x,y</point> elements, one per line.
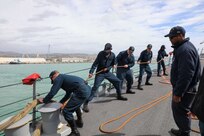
<point>20,128</point>
<point>50,120</point>
<point>50,117</point>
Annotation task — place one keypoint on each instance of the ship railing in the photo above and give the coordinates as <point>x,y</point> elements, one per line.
<point>105,87</point>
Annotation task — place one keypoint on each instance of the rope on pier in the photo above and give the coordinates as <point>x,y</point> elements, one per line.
<point>19,116</point>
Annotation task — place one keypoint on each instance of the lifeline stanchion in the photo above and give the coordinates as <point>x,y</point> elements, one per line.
<point>31,80</point>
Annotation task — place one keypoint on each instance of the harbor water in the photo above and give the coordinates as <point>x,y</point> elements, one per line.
<point>11,74</point>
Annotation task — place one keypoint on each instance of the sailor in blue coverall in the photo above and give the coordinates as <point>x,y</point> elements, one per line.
<point>104,61</point>
<point>76,89</point>
<point>160,60</point>
<point>144,60</point>
<point>125,61</point>
<point>185,74</point>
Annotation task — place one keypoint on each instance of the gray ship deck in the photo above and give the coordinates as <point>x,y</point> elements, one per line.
<point>156,121</point>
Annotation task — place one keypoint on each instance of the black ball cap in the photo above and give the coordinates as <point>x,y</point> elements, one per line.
<point>52,74</point>
<point>108,46</point>
<point>176,31</point>
<point>149,46</point>
<point>163,46</point>
<point>131,48</point>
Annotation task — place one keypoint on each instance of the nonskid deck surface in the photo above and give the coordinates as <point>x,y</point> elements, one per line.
<point>157,121</point>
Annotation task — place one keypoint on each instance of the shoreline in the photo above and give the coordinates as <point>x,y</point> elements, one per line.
<point>44,63</point>
<point>17,60</point>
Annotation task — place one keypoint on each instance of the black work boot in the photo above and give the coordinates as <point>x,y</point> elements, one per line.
<point>119,97</point>
<point>148,83</point>
<point>177,132</point>
<point>85,107</point>
<point>139,86</point>
<point>79,121</point>
<point>130,91</point>
<point>158,75</point>
<point>165,74</point>
<point>74,131</point>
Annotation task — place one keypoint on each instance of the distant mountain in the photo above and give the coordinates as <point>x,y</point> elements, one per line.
<point>10,54</point>
<point>52,55</point>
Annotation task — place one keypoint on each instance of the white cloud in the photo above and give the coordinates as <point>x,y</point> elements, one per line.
<point>85,26</point>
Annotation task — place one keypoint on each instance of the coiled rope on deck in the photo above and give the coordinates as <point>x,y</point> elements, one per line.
<point>139,110</point>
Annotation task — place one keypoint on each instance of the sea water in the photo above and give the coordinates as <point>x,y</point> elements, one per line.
<point>11,74</point>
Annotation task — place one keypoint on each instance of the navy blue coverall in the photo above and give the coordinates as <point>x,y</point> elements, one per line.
<point>103,60</point>
<point>145,56</point>
<point>125,73</point>
<point>75,89</point>
<point>161,54</point>
<point>185,74</point>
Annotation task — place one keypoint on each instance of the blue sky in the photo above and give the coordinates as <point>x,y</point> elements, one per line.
<point>84,26</point>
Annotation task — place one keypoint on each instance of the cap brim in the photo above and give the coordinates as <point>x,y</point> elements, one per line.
<point>166,35</point>
<point>169,35</point>
<point>108,49</point>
